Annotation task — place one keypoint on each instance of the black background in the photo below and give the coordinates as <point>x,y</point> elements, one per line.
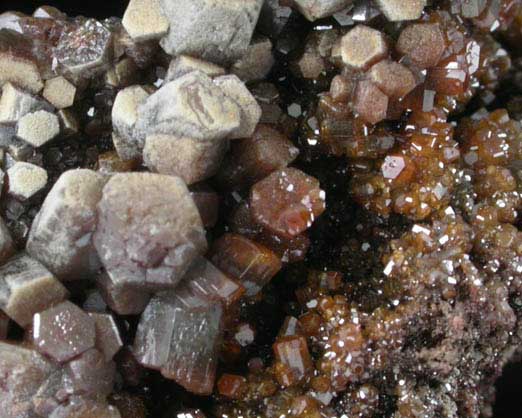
<point>509,396</point>
<point>91,8</point>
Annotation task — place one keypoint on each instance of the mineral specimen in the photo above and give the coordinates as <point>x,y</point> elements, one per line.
<point>287,202</point>
<point>38,128</point>
<point>185,64</point>
<point>254,158</point>
<point>251,264</point>
<point>363,46</point>
<point>144,20</point>
<point>313,10</point>
<point>190,159</point>
<point>234,89</point>
<point>59,92</point>
<point>16,103</point>
<point>355,166</point>
<point>149,230</point>
<point>26,288</point>
<point>63,331</point>
<point>191,106</point>
<point>233,24</point>
<point>178,334</point>
<point>124,117</point>
<point>61,234</point>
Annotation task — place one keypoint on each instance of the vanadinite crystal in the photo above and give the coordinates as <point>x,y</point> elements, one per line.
<point>261,209</point>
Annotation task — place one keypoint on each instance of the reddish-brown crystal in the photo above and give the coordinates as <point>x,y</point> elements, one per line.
<point>232,386</point>
<point>370,102</point>
<point>287,202</point>
<point>253,265</point>
<point>256,157</point>
<point>293,356</point>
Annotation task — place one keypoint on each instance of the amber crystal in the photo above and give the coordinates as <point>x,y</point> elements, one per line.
<point>287,202</point>
<point>251,264</point>
<point>292,355</point>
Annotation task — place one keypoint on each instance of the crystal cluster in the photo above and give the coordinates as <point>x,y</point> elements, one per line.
<point>257,208</point>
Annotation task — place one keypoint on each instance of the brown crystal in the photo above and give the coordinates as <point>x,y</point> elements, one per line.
<point>287,202</point>
<point>254,158</point>
<point>232,386</point>
<point>370,102</point>
<point>251,264</point>
<point>292,353</point>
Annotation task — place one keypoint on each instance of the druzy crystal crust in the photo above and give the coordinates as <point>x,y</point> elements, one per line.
<point>261,209</point>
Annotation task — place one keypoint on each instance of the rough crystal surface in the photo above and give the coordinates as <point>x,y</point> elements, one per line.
<point>18,65</point>
<point>108,338</point>
<point>370,102</point>
<point>84,50</point>
<point>362,47</point>
<point>124,118</point>
<point>16,103</point>
<point>121,296</point>
<point>257,61</point>
<point>191,106</point>
<point>26,287</point>
<point>79,407</point>
<point>185,64</point>
<point>217,31</point>
<point>61,234</point>
<point>235,89</point>
<point>313,9</point>
<point>287,202</point>
<point>144,20</point>
<point>90,374</point>
<point>149,229</point>
<point>399,10</point>
<point>59,92</point>
<point>423,43</point>
<point>38,128</point>
<point>191,159</point>
<point>208,282</point>
<point>254,158</point>
<point>23,371</point>
<point>392,78</point>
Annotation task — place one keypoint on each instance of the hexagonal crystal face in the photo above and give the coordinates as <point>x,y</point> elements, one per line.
<point>149,230</point>
<point>85,49</point>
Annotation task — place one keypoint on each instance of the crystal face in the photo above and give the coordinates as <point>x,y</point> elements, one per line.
<point>61,234</point>
<point>63,331</point>
<point>251,264</point>
<point>27,287</point>
<point>179,334</point>
<point>287,202</point>
<point>149,229</point>
<point>85,49</point>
